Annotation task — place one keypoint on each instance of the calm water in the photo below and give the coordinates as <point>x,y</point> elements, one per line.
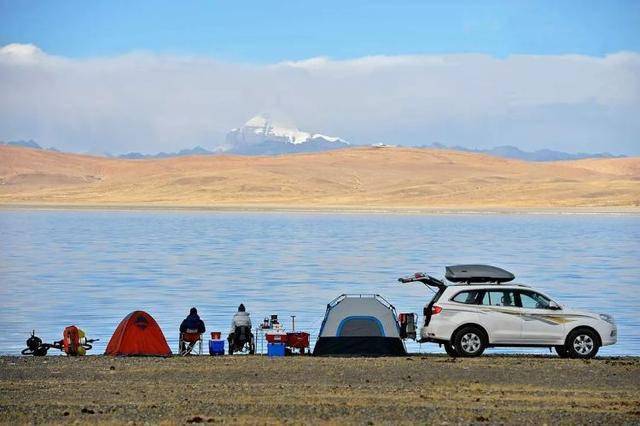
<point>91,268</point>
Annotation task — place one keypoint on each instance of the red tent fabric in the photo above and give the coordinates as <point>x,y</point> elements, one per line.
<point>138,334</point>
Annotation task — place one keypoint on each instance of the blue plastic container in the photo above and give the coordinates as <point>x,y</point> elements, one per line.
<point>216,347</point>
<point>275,349</point>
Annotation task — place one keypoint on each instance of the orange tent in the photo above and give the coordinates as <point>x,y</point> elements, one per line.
<point>138,334</point>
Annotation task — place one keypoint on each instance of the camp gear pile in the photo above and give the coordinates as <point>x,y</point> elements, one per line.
<point>73,343</point>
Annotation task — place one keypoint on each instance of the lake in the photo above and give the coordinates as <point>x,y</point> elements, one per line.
<point>91,268</point>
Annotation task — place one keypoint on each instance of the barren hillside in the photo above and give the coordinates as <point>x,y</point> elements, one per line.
<point>367,178</point>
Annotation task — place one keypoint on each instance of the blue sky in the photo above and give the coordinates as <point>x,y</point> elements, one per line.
<point>272,31</point>
<point>116,76</point>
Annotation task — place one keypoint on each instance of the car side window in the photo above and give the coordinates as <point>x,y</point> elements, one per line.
<point>468,297</point>
<point>533,300</point>
<point>485,299</point>
<point>499,298</point>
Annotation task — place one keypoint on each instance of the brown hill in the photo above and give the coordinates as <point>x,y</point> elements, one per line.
<point>359,178</point>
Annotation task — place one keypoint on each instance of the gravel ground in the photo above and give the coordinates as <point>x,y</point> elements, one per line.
<point>255,389</point>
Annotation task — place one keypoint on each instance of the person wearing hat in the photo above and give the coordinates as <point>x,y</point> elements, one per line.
<point>192,324</point>
<point>240,319</point>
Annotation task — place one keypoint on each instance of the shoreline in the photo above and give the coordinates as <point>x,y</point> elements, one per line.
<point>626,211</point>
<point>493,389</point>
<point>6,357</point>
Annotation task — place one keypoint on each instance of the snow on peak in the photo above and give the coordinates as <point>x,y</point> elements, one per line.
<point>264,127</point>
<point>328,138</point>
<point>260,120</point>
<point>263,134</point>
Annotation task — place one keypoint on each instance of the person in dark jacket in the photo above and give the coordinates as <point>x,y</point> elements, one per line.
<point>192,324</point>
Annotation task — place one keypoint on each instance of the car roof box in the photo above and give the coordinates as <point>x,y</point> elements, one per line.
<point>477,274</point>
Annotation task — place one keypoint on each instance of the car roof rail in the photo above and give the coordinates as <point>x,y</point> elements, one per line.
<point>491,283</point>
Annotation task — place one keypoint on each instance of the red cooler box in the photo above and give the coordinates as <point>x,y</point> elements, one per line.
<point>298,340</point>
<point>276,337</point>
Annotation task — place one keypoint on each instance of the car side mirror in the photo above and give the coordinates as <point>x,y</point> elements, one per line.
<point>553,305</point>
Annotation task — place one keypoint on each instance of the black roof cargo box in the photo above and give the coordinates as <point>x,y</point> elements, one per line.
<point>477,274</point>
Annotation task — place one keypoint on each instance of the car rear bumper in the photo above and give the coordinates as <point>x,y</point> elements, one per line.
<point>434,334</point>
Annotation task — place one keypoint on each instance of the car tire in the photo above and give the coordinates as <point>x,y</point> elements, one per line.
<point>582,343</point>
<point>451,350</point>
<point>470,341</point>
<point>561,351</point>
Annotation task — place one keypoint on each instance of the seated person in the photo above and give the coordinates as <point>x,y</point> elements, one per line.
<point>240,319</point>
<point>192,324</point>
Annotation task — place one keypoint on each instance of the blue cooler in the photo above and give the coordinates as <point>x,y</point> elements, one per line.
<point>275,349</point>
<point>216,347</point>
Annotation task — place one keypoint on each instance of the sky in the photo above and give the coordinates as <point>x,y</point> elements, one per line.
<point>150,76</point>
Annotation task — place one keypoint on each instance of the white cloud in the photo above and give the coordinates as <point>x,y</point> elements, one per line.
<point>16,52</point>
<point>148,102</point>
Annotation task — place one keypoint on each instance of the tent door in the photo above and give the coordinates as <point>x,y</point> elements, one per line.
<point>360,326</point>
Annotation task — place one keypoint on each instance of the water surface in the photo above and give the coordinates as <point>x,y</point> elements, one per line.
<point>91,268</point>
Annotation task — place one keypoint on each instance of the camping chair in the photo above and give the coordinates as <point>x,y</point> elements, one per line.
<point>242,337</point>
<point>188,342</point>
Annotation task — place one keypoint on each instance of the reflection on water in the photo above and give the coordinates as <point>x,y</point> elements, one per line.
<point>91,268</point>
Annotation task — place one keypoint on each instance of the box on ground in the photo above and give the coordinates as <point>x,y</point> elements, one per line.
<point>275,349</point>
<point>216,347</point>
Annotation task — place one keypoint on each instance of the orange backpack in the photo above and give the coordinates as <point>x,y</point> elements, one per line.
<point>71,341</point>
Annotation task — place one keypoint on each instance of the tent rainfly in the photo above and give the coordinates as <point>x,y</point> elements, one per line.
<point>138,334</point>
<point>362,325</point>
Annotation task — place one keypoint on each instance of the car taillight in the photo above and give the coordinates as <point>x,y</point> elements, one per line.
<point>436,310</point>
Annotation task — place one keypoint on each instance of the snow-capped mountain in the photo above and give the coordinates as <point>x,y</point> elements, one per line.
<point>262,135</point>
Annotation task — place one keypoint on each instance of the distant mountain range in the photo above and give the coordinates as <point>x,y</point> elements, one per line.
<point>509,151</point>
<point>262,136</point>
<point>198,150</point>
<point>27,144</point>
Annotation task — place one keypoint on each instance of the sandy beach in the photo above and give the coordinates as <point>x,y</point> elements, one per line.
<point>259,390</point>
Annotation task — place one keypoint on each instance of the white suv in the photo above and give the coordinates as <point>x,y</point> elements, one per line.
<point>480,310</point>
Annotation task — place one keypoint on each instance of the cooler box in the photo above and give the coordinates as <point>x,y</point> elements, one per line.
<point>298,339</point>
<point>276,337</point>
<point>275,349</point>
<point>216,347</point>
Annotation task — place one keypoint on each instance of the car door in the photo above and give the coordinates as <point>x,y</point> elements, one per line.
<point>541,323</point>
<point>501,316</point>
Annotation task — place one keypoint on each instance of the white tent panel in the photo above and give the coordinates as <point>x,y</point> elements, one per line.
<point>360,316</point>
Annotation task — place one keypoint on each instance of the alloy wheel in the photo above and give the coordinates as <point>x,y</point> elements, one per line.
<point>470,343</point>
<point>583,344</point>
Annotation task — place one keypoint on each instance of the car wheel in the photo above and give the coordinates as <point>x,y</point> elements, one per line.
<point>582,343</point>
<point>469,341</point>
<point>561,351</point>
<point>451,350</point>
